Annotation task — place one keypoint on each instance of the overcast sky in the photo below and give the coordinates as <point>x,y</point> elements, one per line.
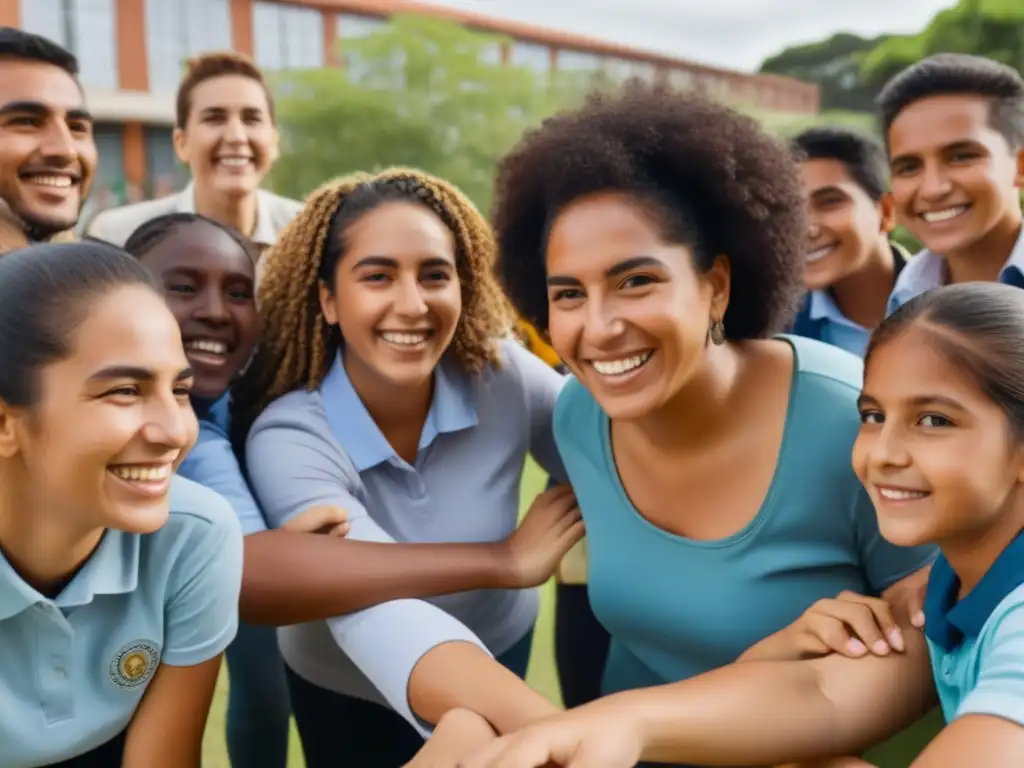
<point>737,34</point>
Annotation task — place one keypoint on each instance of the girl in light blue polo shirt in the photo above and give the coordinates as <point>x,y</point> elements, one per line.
<point>658,238</point>
<point>941,453</point>
<point>383,386</point>
<point>119,581</point>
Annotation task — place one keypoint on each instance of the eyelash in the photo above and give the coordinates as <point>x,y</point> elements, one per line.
<point>866,417</point>
<point>633,281</point>
<point>181,390</point>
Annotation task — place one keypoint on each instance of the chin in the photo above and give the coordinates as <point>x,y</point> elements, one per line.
<point>139,518</point>
<point>906,533</point>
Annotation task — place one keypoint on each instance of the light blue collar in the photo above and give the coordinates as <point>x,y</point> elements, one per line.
<point>824,307</point>
<point>451,410</point>
<point>927,270</point>
<point>112,569</point>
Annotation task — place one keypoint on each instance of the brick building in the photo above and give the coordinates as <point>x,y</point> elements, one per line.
<point>131,53</point>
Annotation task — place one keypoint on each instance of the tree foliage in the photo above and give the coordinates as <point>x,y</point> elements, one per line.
<point>850,69</point>
<point>420,92</point>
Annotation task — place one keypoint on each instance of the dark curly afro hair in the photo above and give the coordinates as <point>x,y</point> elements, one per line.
<point>717,182</point>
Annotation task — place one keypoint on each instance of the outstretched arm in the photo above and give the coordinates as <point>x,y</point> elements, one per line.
<point>754,713</point>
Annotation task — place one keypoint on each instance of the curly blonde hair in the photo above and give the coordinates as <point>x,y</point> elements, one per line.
<point>298,345</point>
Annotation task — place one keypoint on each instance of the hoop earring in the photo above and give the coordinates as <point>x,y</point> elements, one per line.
<point>717,333</point>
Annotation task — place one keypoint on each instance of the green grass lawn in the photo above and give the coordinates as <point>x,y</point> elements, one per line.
<point>898,753</point>
<point>541,674</point>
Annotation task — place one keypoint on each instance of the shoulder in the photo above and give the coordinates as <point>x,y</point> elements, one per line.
<point>825,366</point>
<point>1006,624</point>
<point>577,416</point>
<point>117,224</point>
<point>299,409</point>
<point>197,512</point>
<point>282,209</point>
<point>519,364</point>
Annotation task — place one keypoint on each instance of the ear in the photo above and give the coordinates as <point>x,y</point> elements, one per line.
<point>9,446</point>
<point>327,304</point>
<point>719,278</point>
<point>887,212</point>
<point>180,141</point>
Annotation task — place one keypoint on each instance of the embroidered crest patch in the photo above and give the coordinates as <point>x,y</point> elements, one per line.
<point>134,665</point>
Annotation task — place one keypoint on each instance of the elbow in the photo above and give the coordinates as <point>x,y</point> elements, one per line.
<point>259,602</point>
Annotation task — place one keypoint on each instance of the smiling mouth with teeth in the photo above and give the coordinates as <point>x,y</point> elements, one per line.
<point>137,473</point>
<point>621,366</point>
<point>405,339</point>
<point>901,494</point>
<point>818,253</point>
<point>56,181</point>
<point>937,217</point>
<point>208,347</point>
<point>234,162</point>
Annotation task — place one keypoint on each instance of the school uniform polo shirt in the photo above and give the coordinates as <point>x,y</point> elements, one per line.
<point>927,270</point>
<point>323,447</point>
<point>977,643</point>
<point>74,668</point>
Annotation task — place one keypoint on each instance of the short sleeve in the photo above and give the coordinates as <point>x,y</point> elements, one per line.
<point>293,464</point>
<point>204,584</point>
<point>999,690</point>
<point>541,386</point>
<point>212,463</point>
<point>884,563</point>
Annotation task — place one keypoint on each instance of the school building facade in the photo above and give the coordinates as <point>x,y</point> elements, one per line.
<point>131,52</point>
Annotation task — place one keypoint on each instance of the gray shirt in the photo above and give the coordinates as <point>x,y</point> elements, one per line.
<point>323,447</point>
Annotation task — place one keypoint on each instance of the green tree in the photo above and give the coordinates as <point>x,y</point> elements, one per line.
<point>833,64</point>
<point>420,92</point>
<point>992,28</point>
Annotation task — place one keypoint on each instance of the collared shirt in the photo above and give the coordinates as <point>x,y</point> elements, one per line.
<point>116,225</point>
<point>977,642</point>
<point>821,318</point>
<point>212,463</point>
<point>323,447</point>
<point>73,669</point>
<point>927,270</point>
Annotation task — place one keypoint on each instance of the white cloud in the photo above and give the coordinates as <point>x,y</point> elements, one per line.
<point>737,34</point>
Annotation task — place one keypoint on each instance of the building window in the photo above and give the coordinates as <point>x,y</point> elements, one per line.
<point>577,61</point>
<point>179,29</point>
<point>87,28</point>
<point>531,56</point>
<point>287,37</point>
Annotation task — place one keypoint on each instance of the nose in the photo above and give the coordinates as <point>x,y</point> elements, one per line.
<point>813,229</point>
<point>212,308</point>
<point>887,448</point>
<point>934,183</point>
<point>170,425</point>
<point>57,141</point>
<point>234,131</point>
<point>409,301</point>
<point>603,323</point>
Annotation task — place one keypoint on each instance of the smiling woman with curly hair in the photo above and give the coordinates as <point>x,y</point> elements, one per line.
<point>388,384</point>
<point>657,238</point>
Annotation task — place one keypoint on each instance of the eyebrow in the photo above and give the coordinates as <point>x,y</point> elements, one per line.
<point>919,401</point>
<point>134,372</point>
<point>830,189</point>
<point>199,273</point>
<point>392,263</point>
<point>38,108</point>
<point>616,269</point>
<point>952,146</point>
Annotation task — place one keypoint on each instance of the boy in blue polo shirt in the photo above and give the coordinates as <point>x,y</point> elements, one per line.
<point>954,126</point>
<point>851,264</point>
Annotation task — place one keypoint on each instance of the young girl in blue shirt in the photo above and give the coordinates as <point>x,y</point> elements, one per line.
<point>119,581</point>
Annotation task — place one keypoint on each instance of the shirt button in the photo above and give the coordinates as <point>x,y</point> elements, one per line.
<point>60,672</point>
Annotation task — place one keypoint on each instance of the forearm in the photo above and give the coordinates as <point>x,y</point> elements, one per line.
<point>461,676</point>
<point>291,577</point>
<point>764,713</point>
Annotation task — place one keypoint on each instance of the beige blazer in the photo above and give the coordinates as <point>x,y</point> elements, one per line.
<point>116,225</point>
